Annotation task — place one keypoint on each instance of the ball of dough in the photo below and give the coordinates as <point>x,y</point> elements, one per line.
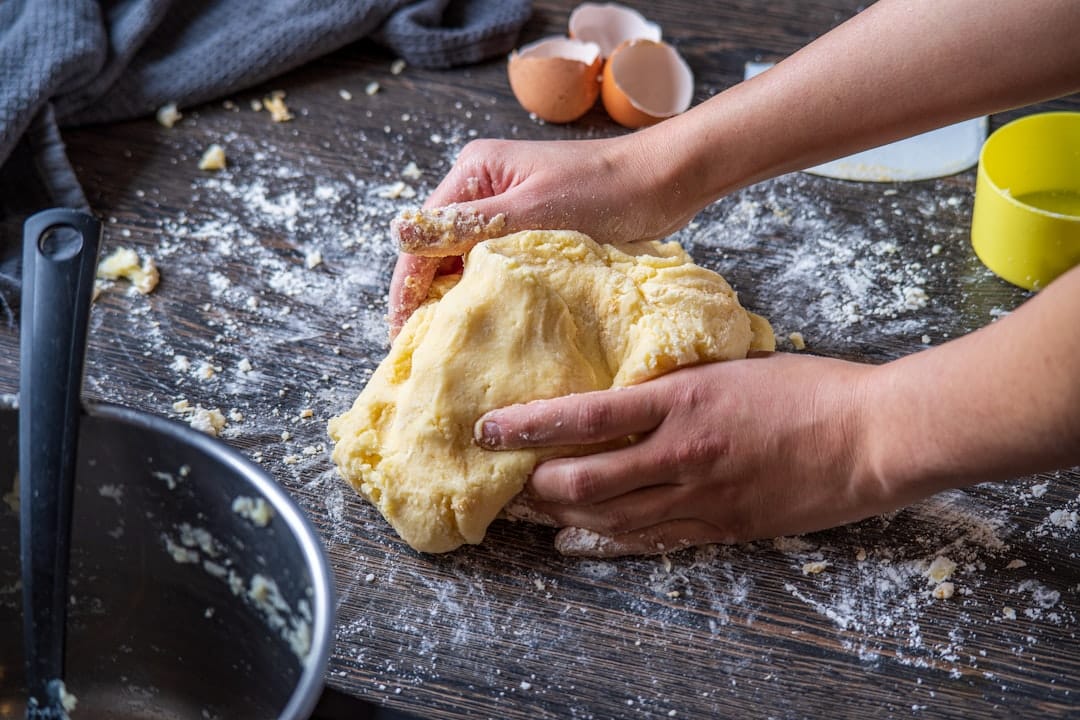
<point>536,314</point>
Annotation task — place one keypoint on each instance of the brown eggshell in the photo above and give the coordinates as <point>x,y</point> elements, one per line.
<point>609,25</point>
<point>557,78</point>
<point>646,82</point>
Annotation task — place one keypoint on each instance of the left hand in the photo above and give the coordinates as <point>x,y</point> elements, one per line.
<point>726,452</point>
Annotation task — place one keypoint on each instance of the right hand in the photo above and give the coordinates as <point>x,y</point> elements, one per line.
<point>611,189</point>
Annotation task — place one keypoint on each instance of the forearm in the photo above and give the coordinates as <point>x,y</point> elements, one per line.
<point>996,404</point>
<point>899,68</point>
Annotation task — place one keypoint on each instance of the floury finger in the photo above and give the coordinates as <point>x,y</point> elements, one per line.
<point>439,232</point>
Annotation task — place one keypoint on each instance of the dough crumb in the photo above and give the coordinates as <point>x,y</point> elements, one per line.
<point>944,591</point>
<point>209,421</point>
<point>275,105</point>
<point>815,567</point>
<point>397,190</point>
<point>168,115</point>
<point>411,172</point>
<point>797,340</point>
<point>940,570</point>
<point>244,365</point>
<point>213,158</point>
<point>313,259</point>
<point>1008,613</point>
<point>860,555</point>
<point>344,94</point>
<point>124,263</point>
<point>397,67</point>
<point>257,510</point>
<point>371,88</point>
<point>1015,564</point>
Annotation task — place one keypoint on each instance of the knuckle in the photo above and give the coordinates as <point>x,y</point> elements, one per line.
<point>617,521</point>
<point>579,484</point>
<point>691,450</point>
<point>592,419</point>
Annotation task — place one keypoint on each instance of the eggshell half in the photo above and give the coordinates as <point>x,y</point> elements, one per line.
<point>556,78</point>
<point>646,82</point>
<point>610,25</point>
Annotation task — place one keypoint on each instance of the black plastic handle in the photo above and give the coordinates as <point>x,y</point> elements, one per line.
<point>60,249</point>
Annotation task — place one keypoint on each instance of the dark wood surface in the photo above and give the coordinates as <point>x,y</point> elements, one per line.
<point>510,629</point>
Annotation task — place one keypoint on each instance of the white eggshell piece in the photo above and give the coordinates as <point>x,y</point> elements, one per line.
<point>609,25</point>
<point>654,77</point>
<point>561,47</point>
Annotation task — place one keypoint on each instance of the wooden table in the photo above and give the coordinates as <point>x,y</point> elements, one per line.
<point>510,629</point>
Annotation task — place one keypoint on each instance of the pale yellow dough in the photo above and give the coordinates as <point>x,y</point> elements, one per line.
<point>535,315</point>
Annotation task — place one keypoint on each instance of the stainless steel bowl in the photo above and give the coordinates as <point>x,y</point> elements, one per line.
<point>185,602</point>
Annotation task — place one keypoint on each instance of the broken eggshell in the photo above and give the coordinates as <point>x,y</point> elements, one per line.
<point>556,78</point>
<point>609,25</point>
<point>646,81</point>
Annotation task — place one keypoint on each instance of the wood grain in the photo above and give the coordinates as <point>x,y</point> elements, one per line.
<point>510,629</point>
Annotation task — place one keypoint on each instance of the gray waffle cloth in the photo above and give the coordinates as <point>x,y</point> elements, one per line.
<point>65,63</point>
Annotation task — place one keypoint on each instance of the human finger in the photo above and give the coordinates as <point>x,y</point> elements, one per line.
<point>625,513</point>
<point>585,480</point>
<point>580,419</point>
<point>444,231</point>
<point>409,288</point>
<point>656,540</point>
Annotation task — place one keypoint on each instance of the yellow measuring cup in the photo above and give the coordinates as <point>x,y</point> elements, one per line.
<point>1025,225</point>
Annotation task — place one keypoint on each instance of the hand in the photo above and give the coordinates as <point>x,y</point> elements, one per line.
<point>727,452</point>
<point>613,190</point>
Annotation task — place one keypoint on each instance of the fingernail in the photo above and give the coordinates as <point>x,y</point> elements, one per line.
<point>488,434</point>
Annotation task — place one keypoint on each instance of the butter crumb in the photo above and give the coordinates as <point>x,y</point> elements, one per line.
<point>797,340</point>
<point>815,567</point>
<point>372,88</point>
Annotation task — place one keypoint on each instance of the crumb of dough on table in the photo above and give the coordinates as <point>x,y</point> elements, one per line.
<point>213,158</point>
<point>124,263</point>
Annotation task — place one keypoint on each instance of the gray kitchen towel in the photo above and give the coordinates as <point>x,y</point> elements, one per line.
<point>65,63</point>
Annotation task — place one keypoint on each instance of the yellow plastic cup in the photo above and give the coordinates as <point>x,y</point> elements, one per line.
<point>1025,225</point>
